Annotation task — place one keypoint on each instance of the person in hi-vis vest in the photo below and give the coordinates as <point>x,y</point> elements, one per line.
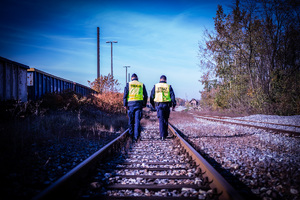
<point>134,100</point>
<point>162,98</point>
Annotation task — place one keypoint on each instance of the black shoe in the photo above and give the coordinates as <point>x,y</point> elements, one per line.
<point>163,138</point>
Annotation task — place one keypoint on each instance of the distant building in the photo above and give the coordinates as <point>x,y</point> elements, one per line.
<point>180,102</point>
<point>194,102</point>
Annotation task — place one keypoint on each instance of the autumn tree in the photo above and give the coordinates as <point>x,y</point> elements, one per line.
<point>251,60</point>
<point>107,98</point>
<point>105,84</point>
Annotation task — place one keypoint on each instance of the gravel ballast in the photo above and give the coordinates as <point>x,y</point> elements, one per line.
<point>268,164</point>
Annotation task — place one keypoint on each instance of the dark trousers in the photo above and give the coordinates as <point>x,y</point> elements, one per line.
<point>135,115</point>
<point>163,113</point>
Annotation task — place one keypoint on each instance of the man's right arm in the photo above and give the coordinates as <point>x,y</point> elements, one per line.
<point>125,103</point>
<point>152,96</point>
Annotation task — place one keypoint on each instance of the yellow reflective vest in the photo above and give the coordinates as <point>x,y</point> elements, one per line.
<point>135,92</point>
<point>162,92</point>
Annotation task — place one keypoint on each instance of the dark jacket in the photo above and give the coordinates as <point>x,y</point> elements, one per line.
<point>172,95</point>
<point>140,104</point>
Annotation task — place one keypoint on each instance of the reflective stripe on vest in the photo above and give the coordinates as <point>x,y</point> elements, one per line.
<point>135,91</point>
<point>162,92</point>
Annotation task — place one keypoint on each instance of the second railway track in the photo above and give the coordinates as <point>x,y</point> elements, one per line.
<point>148,169</point>
<point>291,130</point>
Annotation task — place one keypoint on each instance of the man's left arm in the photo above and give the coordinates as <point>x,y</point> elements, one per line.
<point>172,95</point>
<point>145,98</point>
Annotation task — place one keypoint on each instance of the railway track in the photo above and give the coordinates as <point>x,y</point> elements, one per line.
<point>148,169</point>
<point>289,129</point>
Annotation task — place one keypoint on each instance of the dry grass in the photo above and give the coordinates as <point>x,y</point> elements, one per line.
<point>56,117</point>
<point>35,134</point>
<point>109,101</point>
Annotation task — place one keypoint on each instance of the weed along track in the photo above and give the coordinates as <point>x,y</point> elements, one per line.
<point>148,169</point>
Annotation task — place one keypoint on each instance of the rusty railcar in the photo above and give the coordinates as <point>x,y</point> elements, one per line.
<point>13,80</point>
<point>40,83</point>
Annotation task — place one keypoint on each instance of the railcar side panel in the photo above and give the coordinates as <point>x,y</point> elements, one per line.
<point>47,83</point>
<point>13,80</point>
<point>21,83</point>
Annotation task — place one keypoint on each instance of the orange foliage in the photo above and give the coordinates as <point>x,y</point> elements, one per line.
<point>111,102</point>
<point>105,84</point>
<point>108,98</point>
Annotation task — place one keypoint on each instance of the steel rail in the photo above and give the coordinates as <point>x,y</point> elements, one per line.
<point>66,187</point>
<point>291,133</point>
<point>218,182</point>
<point>63,188</point>
<point>258,122</point>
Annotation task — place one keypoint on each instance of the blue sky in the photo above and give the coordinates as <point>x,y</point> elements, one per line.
<point>154,38</point>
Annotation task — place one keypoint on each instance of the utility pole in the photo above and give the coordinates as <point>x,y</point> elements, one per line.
<point>111,55</point>
<point>98,53</point>
<point>126,73</point>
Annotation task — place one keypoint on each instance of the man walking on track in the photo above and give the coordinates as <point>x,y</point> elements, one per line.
<point>134,99</point>
<point>162,98</point>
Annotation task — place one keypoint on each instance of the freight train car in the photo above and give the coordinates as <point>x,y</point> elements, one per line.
<point>40,83</point>
<point>21,83</point>
<point>13,80</point>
